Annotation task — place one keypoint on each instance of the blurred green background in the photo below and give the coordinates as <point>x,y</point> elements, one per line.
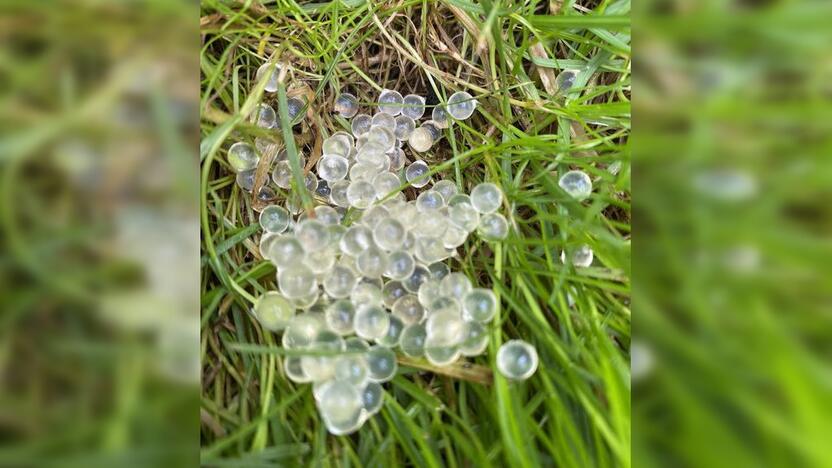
<point>99,237</point>
<point>732,146</point>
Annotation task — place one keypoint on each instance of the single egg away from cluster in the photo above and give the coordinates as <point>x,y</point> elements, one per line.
<point>461,105</point>
<point>242,157</point>
<point>577,184</point>
<point>517,360</point>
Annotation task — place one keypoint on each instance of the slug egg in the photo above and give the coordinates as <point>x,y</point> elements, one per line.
<point>517,360</point>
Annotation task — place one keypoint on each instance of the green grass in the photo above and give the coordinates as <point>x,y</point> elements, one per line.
<point>575,411</point>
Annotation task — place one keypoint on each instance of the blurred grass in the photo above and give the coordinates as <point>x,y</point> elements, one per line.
<point>98,331</point>
<point>575,411</point>
<point>732,267</point>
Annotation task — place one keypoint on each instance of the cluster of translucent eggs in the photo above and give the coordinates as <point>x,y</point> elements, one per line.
<point>348,296</point>
<point>353,290</point>
<point>396,118</point>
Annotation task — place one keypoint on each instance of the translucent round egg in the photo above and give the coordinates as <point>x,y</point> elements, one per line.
<point>245,179</point>
<point>310,180</point>
<point>394,331</point>
<point>412,340</point>
<point>432,226</point>
<point>327,215</point>
<point>242,157</point>
<point>429,201</point>
<point>397,159</point>
<point>274,218</point>
<point>459,199</point>
<point>440,354</point>
<point>413,106</point>
<point>408,309</point>
<point>565,80</point>
<point>390,102</point>
<point>285,251</point>
<point>389,234</point>
<point>347,138</point>
<point>430,249</point>
<point>352,369</point>
<point>407,214</point>
<point>577,184</point>
<point>440,116</point>
<point>461,105</point>
<point>372,262</point>
<point>400,265</point>
<point>346,105</point>
<point>265,243</point>
<point>371,321</point>
<point>267,145</point>
<point>266,195</point>
<point>264,116</point>
<point>438,270</point>
<point>385,182</point>
<point>385,121</point>
<point>338,145</point>
<point>455,285</point>
<point>404,127</point>
<point>381,137</point>
<point>361,124</point>
<point>296,281</point>
<point>312,234</point>
<point>346,427</point>
<point>580,257</point>
<point>340,281</point>
<point>428,292</point>
<point>443,304</point>
<point>366,293</point>
<point>302,330</point>
<point>382,364</point>
<point>294,106</point>
<point>391,292</point>
<point>464,217</point>
<point>453,237</point>
<point>433,128</point>
<point>517,360</point>
<point>293,369</point>
<point>420,140</point>
<point>446,188</point>
<point>320,261</point>
<point>363,171</point>
<point>272,80</point>
<point>361,194</point>
<point>475,339</point>
<point>445,328</point>
<point>338,193</point>
<point>417,174</point>
<point>419,276</point>
<point>305,302</point>
<point>340,316</point>
<point>486,197</point>
<point>332,167</point>
<point>479,305</point>
<point>282,175</point>
<point>372,396</point>
<point>373,216</point>
<point>356,240</point>
<point>273,311</point>
<point>493,227</point>
<point>340,404</point>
